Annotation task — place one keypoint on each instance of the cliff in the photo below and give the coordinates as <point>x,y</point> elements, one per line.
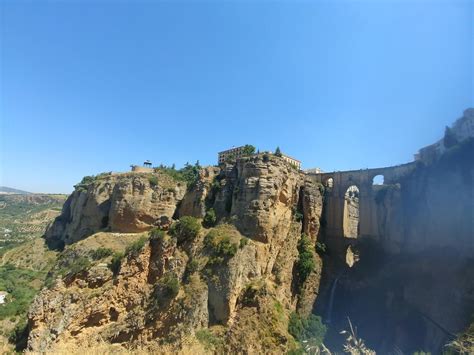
<point>221,262</point>
<point>228,286</point>
<point>433,206</point>
<point>124,203</point>
<point>412,288</point>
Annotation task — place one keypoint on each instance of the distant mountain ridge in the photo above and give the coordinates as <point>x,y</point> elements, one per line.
<point>9,190</point>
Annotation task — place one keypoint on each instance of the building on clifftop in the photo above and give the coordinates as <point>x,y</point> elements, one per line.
<point>461,130</point>
<point>295,162</point>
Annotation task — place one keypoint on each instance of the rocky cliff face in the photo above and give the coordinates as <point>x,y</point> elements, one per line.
<point>230,287</point>
<point>130,202</point>
<point>413,286</point>
<point>434,206</point>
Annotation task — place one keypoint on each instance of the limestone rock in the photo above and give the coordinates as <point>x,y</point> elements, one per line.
<point>129,202</point>
<point>263,205</point>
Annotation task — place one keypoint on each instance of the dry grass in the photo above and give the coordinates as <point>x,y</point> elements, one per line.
<point>118,242</point>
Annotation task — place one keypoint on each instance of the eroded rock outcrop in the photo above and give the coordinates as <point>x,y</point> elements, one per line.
<point>225,282</point>
<point>130,202</point>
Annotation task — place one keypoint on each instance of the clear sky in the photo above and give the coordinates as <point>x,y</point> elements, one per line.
<point>92,86</point>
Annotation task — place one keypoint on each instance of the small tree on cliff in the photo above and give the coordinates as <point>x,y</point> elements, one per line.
<point>278,152</point>
<point>450,139</point>
<point>248,150</point>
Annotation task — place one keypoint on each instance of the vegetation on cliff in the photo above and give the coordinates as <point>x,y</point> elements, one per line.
<point>200,265</point>
<point>226,259</point>
<point>306,263</point>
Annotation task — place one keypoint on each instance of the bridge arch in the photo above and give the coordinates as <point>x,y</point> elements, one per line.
<point>378,179</point>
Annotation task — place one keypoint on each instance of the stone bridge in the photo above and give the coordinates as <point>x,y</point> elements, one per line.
<point>337,184</point>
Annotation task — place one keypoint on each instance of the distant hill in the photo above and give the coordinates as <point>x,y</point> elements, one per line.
<point>25,216</point>
<point>8,191</point>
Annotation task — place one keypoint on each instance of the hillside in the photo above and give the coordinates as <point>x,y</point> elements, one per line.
<point>24,217</point>
<point>25,260</point>
<point>243,258</point>
<point>9,190</point>
<point>205,282</point>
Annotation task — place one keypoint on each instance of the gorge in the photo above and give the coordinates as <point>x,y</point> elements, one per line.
<point>226,262</point>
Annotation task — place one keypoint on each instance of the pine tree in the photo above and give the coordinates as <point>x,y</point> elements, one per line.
<point>278,152</point>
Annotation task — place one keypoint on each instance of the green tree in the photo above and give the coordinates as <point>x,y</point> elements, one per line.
<point>165,290</point>
<point>186,228</point>
<point>248,150</point>
<point>307,328</point>
<point>210,218</point>
<point>278,152</point>
<point>305,264</point>
<point>116,263</point>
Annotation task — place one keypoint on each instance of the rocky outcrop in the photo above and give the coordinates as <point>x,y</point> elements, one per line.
<point>198,198</point>
<point>131,202</point>
<point>172,289</point>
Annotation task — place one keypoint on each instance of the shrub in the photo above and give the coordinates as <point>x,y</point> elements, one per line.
<point>136,246</point>
<point>185,229</point>
<point>85,182</point>
<point>278,152</point>
<point>157,234</point>
<point>101,253</point>
<point>165,290</point>
<point>116,263</point>
<point>248,150</point>
<point>306,263</point>
<point>243,242</point>
<point>208,340</point>
<point>153,180</point>
<point>210,219</point>
<point>79,264</point>
<point>191,267</point>
<point>220,246</point>
<point>307,328</point>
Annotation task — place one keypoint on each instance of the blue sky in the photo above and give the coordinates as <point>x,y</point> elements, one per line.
<point>95,86</point>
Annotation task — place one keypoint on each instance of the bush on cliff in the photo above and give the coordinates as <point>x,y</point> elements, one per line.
<point>85,182</point>
<point>306,263</point>
<point>220,245</point>
<point>188,174</point>
<point>185,229</point>
<point>248,150</point>
<point>157,234</point>
<point>116,263</point>
<point>135,248</point>
<point>101,253</point>
<point>165,290</point>
<point>153,180</point>
<point>309,328</point>
<point>209,340</point>
<point>210,219</point>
